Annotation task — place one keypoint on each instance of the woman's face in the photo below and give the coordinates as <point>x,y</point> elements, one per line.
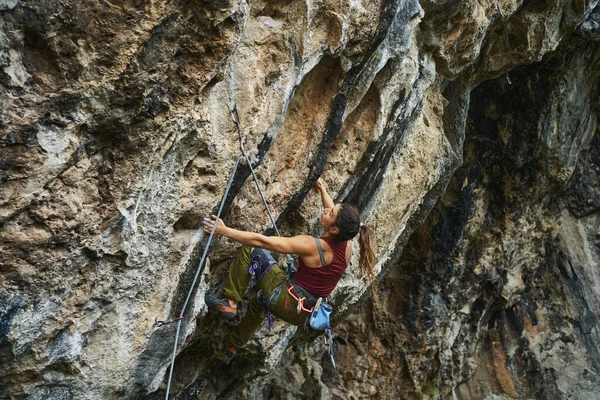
<point>329,216</point>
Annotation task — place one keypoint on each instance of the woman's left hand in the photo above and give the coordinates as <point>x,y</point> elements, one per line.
<point>320,184</point>
<point>210,223</point>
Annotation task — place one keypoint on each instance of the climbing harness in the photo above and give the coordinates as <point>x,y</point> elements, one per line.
<point>299,300</point>
<point>289,261</point>
<point>318,314</point>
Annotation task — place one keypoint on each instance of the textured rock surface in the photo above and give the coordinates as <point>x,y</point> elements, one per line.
<point>116,141</point>
<point>496,294</point>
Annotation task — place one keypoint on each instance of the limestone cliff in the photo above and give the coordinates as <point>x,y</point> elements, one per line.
<point>465,132</point>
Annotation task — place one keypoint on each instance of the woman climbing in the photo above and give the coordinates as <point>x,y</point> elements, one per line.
<point>322,262</point>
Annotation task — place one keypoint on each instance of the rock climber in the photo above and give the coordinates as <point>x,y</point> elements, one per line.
<point>321,264</point>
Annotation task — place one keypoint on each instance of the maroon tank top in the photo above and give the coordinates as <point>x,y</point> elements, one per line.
<point>321,281</point>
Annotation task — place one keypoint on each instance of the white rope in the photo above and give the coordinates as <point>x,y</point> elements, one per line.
<point>201,265</point>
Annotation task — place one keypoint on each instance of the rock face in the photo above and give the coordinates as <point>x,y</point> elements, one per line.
<point>497,292</point>
<point>483,189</point>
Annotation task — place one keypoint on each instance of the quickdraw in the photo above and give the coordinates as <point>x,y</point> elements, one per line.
<point>236,120</point>
<point>158,323</point>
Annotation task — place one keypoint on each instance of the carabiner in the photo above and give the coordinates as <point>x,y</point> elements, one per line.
<point>235,118</point>
<point>158,324</point>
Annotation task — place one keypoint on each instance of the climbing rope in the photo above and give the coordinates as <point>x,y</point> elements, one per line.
<point>236,120</point>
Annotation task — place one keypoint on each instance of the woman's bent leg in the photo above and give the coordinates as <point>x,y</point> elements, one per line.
<point>238,276</point>
<point>286,310</point>
<point>244,331</point>
<point>255,314</point>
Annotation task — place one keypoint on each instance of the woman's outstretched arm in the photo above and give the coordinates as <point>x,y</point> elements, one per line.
<point>325,198</point>
<point>302,245</point>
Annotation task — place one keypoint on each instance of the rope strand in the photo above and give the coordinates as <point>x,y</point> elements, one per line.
<point>235,119</point>
<point>198,271</point>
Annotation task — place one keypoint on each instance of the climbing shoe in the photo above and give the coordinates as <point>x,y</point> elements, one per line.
<point>228,354</point>
<point>221,306</point>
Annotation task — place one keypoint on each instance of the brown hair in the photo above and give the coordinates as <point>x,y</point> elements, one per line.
<point>348,222</point>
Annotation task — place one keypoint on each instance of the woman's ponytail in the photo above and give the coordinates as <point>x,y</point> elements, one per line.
<point>348,223</point>
<point>367,252</point>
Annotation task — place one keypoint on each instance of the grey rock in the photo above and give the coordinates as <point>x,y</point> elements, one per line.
<point>8,4</point>
<point>466,133</point>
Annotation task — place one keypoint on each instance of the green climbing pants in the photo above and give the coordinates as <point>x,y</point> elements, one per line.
<point>236,285</point>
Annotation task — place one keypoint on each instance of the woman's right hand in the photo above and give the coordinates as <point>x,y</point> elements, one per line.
<point>209,223</point>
